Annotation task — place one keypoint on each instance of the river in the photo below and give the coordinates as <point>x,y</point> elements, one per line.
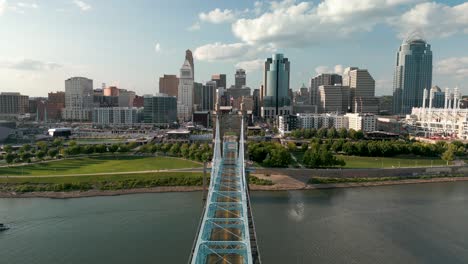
<point>424,223</point>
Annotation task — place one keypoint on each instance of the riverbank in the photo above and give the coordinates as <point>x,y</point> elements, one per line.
<point>276,187</point>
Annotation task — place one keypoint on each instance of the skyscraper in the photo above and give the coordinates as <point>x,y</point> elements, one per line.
<point>220,80</point>
<point>111,91</point>
<point>276,99</point>
<point>169,84</point>
<point>204,96</point>
<point>160,110</point>
<point>239,78</point>
<point>55,105</point>
<point>413,74</point>
<point>13,104</point>
<point>322,79</point>
<point>333,98</point>
<point>185,92</point>
<point>189,57</point>
<point>361,91</point>
<point>78,99</point>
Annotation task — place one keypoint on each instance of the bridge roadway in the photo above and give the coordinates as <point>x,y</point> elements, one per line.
<point>226,233</point>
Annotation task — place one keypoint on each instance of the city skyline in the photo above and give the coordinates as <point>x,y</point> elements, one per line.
<point>131,48</point>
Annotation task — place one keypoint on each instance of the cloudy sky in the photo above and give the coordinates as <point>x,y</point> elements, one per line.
<point>132,43</point>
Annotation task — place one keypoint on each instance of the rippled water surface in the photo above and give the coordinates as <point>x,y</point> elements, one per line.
<point>393,224</point>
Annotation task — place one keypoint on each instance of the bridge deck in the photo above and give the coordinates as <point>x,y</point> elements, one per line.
<point>226,233</point>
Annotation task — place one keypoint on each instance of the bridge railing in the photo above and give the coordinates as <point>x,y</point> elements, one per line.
<point>224,233</point>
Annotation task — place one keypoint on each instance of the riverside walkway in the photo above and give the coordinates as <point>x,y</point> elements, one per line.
<point>227,233</point>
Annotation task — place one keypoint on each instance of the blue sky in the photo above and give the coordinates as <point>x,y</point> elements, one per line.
<point>132,43</point>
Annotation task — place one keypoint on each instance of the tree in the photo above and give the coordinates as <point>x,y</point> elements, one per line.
<point>343,133</point>
<point>292,146</point>
<point>100,148</point>
<point>52,153</point>
<point>352,134</point>
<point>449,154</point>
<point>332,133</point>
<point>322,132</point>
<point>8,148</point>
<point>89,149</point>
<point>26,147</point>
<point>337,145</point>
<point>58,142</point>
<point>25,156</point>
<point>359,135</point>
<point>278,157</point>
<point>123,148</point>
<point>42,145</point>
<point>40,154</point>
<point>184,150</point>
<point>175,149</point>
<point>316,158</point>
<point>113,148</point>
<point>10,157</point>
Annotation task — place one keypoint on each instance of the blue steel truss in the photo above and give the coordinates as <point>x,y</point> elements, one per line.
<point>223,235</point>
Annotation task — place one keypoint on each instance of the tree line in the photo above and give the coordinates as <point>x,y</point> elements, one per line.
<point>195,151</point>
<point>324,133</point>
<point>269,154</point>
<point>57,149</point>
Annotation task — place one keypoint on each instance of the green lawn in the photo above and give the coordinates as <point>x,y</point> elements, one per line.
<point>99,165</point>
<point>377,162</point>
<point>99,178</point>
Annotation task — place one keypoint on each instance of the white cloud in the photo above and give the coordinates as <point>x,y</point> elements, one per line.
<point>3,6</point>
<point>221,51</point>
<point>454,66</point>
<point>157,47</point>
<point>194,27</point>
<point>434,20</point>
<point>27,5</point>
<point>251,65</point>
<point>338,69</point>
<point>82,5</point>
<point>29,65</point>
<point>217,16</point>
<point>297,24</point>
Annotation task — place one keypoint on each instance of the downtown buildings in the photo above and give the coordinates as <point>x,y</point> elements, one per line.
<point>413,74</point>
<point>160,110</point>
<point>275,93</point>
<point>78,99</point>
<point>185,92</point>
<point>13,104</point>
<point>361,91</point>
<point>169,84</point>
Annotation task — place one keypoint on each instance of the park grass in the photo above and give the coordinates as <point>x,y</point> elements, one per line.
<point>390,162</point>
<point>104,164</point>
<point>98,178</point>
<point>102,182</point>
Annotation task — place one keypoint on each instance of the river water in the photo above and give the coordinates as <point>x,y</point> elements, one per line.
<point>426,223</point>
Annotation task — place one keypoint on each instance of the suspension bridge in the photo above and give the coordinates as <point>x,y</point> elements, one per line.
<point>226,233</point>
